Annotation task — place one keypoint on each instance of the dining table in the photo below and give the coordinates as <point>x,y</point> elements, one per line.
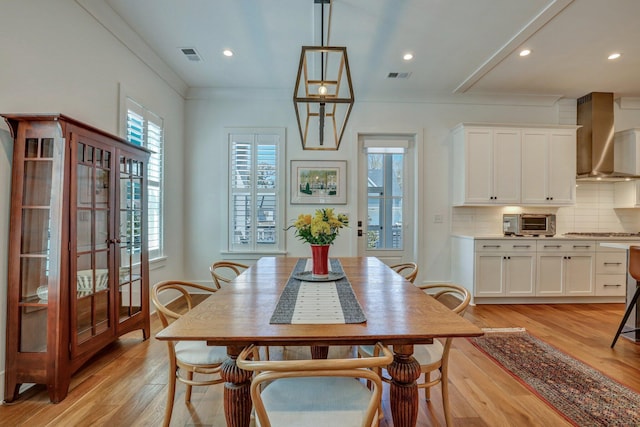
<point>391,310</point>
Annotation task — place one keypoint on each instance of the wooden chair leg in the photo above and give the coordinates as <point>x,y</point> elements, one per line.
<point>444,383</point>
<point>427,391</point>
<point>187,394</point>
<point>171,392</point>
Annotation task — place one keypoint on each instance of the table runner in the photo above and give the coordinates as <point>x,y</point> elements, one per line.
<point>303,302</point>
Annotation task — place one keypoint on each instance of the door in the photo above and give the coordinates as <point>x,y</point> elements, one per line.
<point>132,238</point>
<point>506,165</point>
<point>479,166</point>
<point>386,197</point>
<point>489,275</point>
<point>535,164</point>
<point>562,171</point>
<point>91,222</point>
<point>520,272</point>
<point>551,272</point>
<point>579,275</point>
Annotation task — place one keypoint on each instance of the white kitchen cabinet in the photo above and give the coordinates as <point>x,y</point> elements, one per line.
<point>611,271</point>
<point>505,268</point>
<point>566,268</point>
<point>486,168</point>
<point>548,167</point>
<point>626,194</point>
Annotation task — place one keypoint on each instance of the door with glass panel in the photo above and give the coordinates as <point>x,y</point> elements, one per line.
<point>385,215</point>
<point>132,256</point>
<point>91,226</point>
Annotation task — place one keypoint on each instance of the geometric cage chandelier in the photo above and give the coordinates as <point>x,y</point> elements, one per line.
<point>323,94</point>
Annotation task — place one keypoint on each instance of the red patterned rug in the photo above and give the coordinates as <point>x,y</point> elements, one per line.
<point>581,394</point>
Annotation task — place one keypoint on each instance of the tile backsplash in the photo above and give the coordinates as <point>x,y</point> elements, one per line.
<point>593,211</point>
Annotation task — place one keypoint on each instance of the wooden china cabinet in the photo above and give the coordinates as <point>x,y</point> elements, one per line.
<point>78,259</point>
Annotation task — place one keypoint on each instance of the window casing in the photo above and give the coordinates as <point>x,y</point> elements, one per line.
<point>146,129</point>
<point>256,188</point>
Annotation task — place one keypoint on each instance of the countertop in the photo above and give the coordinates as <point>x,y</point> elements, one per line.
<point>622,240</point>
<point>619,245</point>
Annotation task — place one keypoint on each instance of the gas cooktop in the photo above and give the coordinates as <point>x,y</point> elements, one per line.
<point>603,234</point>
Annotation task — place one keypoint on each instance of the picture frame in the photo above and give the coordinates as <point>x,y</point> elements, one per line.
<point>318,182</point>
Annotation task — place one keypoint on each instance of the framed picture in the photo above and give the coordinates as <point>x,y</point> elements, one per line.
<point>318,182</point>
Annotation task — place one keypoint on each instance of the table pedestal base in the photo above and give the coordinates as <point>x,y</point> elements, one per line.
<point>237,396</point>
<point>403,393</point>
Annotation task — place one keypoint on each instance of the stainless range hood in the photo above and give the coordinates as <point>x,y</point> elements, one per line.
<point>595,157</point>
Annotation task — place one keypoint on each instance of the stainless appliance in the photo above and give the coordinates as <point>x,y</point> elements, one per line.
<point>595,143</point>
<point>525,224</point>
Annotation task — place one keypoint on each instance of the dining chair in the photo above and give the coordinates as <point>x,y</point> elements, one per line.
<point>433,357</point>
<point>186,357</point>
<point>223,272</point>
<point>634,272</point>
<point>407,269</point>
<point>316,392</point>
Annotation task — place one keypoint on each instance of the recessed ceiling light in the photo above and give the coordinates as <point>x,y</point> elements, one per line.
<point>227,52</point>
<point>525,52</point>
<point>615,55</point>
<point>408,56</point>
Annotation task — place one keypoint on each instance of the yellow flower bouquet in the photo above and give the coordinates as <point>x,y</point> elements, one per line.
<point>320,229</point>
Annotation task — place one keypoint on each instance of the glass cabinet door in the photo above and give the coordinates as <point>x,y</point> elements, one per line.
<point>91,295</point>
<point>38,259</point>
<point>131,241</point>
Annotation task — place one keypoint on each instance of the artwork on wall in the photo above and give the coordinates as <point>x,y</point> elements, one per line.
<point>318,182</point>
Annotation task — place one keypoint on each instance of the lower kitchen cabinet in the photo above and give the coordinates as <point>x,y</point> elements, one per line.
<point>566,268</point>
<point>525,269</point>
<point>611,271</point>
<point>505,268</point>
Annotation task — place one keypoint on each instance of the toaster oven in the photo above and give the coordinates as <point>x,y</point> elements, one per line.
<point>529,224</point>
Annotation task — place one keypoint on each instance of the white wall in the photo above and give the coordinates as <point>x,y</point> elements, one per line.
<point>208,112</point>
<point>57,59</point>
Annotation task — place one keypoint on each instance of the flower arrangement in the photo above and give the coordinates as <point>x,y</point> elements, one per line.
<point>320,229</point>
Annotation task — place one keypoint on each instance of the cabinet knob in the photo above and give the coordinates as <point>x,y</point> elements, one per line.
<point>114,241</point>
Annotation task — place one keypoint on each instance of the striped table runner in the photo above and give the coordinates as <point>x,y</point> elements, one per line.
<point>303,302</point>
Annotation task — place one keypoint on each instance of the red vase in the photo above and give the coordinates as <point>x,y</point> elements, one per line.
<point>320,257</point>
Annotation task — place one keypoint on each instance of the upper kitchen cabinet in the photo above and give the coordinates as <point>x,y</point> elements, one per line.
<point>77,258</point>
<point>486,165</point>
<point>626,194</point>
<point>549,166</point>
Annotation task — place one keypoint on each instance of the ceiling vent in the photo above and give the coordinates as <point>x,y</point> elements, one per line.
<point>398,75</point>
<point>191,54</point>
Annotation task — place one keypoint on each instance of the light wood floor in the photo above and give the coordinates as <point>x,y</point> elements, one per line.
<point>125,385</point>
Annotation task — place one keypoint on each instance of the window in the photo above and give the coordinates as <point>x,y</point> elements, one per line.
<point>146,129</point>
<point>256,181</point>
<point>385,184</point>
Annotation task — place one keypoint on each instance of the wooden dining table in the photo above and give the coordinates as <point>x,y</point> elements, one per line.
<point>397,313</point>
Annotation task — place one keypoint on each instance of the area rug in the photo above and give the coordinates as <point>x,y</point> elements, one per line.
<point>581,394</point>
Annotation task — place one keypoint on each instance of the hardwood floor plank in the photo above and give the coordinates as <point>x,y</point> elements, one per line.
<point>125,385</point>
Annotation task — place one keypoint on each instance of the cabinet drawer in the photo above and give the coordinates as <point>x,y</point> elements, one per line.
<point>550,246</point>
<point>610,284</point>
<point>505,246</point>
<point>611,263</point>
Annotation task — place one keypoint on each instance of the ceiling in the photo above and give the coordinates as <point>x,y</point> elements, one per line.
<point>462,48</point>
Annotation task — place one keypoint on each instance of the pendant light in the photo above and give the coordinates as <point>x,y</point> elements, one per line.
<point>323,93</point>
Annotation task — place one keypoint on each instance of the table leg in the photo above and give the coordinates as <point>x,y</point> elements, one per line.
<point>319,351</point>
<point>237,384</point>
<point>403,393</point>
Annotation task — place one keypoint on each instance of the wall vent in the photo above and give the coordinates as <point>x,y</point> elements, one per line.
<point>398,75</point>
<point>191,54</point>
